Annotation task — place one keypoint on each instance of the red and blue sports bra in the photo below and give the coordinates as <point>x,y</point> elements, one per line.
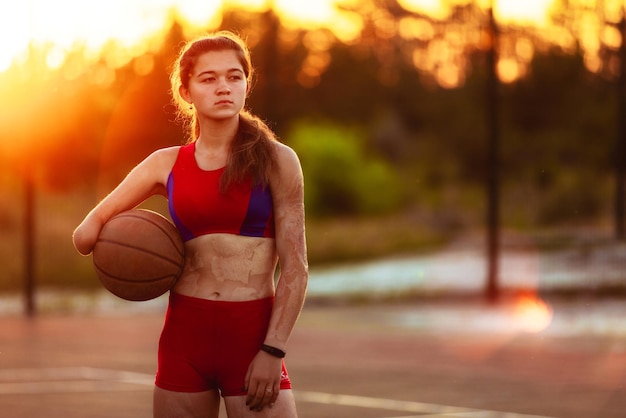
<point>197,206</point>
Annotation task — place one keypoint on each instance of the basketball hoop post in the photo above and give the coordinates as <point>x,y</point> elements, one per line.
<point>29,242</point>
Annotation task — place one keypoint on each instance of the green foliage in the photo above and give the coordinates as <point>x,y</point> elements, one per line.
<point>341,179</point>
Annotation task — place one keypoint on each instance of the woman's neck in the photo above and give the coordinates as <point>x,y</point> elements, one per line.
<point>217,135</point>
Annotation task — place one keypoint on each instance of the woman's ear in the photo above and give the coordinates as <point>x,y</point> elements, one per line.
<point>184,93</point>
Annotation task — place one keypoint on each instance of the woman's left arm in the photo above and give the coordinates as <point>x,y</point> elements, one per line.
<point>291,286</point>
<point>288,195</point>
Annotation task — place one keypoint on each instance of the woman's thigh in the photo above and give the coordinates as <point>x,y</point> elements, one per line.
<point>168,404</point>
<point>285,407</point>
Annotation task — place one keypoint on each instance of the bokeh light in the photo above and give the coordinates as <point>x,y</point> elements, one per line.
<point>532,314</point>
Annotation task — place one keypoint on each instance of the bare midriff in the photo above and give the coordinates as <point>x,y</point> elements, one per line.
<point>228,267</point>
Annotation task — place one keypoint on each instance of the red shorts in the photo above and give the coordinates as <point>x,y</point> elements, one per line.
<point>208,345</point>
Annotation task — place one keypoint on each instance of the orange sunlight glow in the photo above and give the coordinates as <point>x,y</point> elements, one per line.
<point>449,73</point>
<point>67,24</point>
<point>119,30</point>
<point>320,13</point>
<point>531,314</point>
<point>64,25</point>
<point>433,8</point>
<point>527,11</point>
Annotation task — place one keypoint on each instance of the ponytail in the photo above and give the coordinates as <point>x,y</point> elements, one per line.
<point>252,153</point>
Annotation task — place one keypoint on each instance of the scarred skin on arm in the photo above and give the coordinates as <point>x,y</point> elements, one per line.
<point>288,191</point>
<point>288,195</point>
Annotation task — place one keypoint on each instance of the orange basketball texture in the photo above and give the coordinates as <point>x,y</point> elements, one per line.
<point>139,255</point>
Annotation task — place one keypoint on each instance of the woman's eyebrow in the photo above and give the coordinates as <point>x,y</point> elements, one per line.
<point>213,72</point>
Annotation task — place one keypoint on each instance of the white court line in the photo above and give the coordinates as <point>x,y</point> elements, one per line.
<point>404,406</point>
<point>90,379</point>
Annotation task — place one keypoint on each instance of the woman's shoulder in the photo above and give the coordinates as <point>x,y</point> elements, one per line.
<point>287,162</point>
<point>166,154</point>
<point>162,159</point>
<point>284,153</point>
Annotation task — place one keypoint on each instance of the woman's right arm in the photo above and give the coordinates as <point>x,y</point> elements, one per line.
<point>148,178</point>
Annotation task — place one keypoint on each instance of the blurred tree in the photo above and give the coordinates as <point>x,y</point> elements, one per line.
<point>342,179</point>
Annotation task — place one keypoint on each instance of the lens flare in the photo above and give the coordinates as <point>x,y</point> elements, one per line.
<point>531,314</point>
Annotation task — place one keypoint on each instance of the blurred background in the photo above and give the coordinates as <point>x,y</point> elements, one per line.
<point>492,131</point>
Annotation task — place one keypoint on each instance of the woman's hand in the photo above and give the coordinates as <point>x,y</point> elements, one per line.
<point>86,235</point>
<point>263,381</point>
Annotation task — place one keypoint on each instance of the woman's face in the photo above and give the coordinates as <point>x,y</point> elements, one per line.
<point>217,86</point>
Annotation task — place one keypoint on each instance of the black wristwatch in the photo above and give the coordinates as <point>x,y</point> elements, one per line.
<point>276,352</point>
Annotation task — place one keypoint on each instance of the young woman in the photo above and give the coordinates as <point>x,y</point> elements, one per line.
<point>236,196</point>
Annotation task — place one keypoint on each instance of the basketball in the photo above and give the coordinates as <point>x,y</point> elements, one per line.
<point>139,255</point>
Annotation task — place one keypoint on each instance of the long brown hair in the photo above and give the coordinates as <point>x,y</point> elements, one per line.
<point>251,153</point>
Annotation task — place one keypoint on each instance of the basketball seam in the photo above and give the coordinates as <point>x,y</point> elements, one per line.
<point>123,279</point>
<point>154,253</point>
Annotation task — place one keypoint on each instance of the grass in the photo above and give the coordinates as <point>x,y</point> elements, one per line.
<point>353,239</point>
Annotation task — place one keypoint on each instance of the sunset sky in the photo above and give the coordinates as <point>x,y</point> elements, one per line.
<point>64,23</point>
<point>136,26</point>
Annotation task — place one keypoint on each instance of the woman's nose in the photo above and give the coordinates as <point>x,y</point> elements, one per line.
<point>223,87</point>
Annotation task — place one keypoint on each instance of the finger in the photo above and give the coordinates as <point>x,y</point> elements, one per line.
<point>250,391</point>
<point>262,398</point>
<point>252,394</point>
<point>266,400</point>
<point>275,393</point>
<point>256,396</point>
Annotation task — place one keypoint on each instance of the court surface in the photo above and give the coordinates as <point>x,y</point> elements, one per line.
<point>378,360</point>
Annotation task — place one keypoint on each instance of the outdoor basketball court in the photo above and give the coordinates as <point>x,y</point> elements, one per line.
<point>378,361</point>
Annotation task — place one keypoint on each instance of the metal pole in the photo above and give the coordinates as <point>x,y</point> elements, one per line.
<point>620,140</point>
<point>29,209</point>
<point>29,242</point>
<point>493,218</point>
